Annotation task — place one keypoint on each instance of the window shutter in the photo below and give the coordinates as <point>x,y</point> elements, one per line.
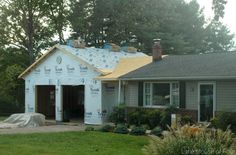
<point>140,94</point>
<point>182,95</point>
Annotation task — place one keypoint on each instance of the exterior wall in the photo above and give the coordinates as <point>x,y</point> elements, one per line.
<point>226,96</point>
<point>192,95</point>
<point>68,72</point>
<point>109,97</point>
<point>131,94</point>
<point>110,91</point>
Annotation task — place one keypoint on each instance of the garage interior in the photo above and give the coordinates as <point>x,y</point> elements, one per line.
<point>73,103</point>
<point>46,100</point>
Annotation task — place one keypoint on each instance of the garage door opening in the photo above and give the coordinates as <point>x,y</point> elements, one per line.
<point>46,100</point>
<point>73,103</point>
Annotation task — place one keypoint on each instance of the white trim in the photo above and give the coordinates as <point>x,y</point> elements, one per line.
<point>214,96</point>
<point>151,93</point>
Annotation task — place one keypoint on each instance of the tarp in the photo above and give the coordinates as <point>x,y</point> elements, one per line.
<point>23,120</point>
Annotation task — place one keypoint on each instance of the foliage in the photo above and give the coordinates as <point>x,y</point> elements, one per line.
<point>138,130</point>
<point>193,140</point>
<point>218,7</point>
<point>89,128</point>
<point>154,118</point>
<point>166,116</point>
<point>25,27</point>
<point>57,11</point>
<point>186,120</point>
<point>157,131</point>
<point>225,120</point>
<point>107,128</point>
<point>138,117</point>
<point>151,117</point>
<point>12,90</point>
<point>174,21</point>
<point>122,129</point>
<point>118,114</point>
<point>72,143</point>
<point>145,126</point>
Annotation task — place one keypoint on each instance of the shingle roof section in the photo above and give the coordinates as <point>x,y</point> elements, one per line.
<point>213,65</point>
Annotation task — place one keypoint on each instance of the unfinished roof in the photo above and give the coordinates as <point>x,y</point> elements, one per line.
<point>102,60</point>
<point>125,66</point>
<point>176,67</point>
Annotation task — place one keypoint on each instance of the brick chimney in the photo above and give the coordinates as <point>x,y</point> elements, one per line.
<point>156,50</point>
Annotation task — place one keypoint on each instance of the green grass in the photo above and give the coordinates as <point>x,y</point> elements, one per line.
<point>72,143</point>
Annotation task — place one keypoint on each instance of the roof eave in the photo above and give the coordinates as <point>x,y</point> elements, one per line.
<point>182,78</point>
<point>33,65</point>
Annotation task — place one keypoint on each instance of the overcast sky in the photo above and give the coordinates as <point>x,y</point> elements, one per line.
<point>230,13</point>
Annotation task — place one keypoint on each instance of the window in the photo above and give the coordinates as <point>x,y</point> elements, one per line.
<point>147,96</point>
<point>161,94</point>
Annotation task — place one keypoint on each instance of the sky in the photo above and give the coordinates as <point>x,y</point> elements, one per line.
<point>230,13</point>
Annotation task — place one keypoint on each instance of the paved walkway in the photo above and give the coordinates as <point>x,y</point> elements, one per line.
<point>44,129</point>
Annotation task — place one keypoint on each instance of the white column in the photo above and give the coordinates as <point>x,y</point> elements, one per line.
<point>119,92</point>
<point>30,97</point>
<point>59,105</point>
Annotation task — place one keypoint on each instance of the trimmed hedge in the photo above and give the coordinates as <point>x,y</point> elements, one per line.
<point>157,131</point>
<point>138,131</point>
<point>89,128</point>
<point>122,129</point>
<point>107,128</point>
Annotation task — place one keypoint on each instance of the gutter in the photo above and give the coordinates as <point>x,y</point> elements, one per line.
<point>183,78</point>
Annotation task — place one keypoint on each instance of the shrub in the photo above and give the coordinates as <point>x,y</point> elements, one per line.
<point>107,128</point>
<point>118,114</point>
<point>154,118</point>
<point>186,120</point>
<point>122,129</point>
<point>193,140</point>
<point>166,116</point>
<point>138,131</point>
<point>146,126</point>
<point>157,131</point>
<point>224,120</point>
<point>138,117</point>
<point>89,128</point>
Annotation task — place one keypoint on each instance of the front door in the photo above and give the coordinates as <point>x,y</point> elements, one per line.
<point>206,101</point>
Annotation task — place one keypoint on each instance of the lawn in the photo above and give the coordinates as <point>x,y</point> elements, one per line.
<point>72,143</point>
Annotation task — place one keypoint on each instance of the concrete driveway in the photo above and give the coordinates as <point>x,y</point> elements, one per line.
<point>44,129</point>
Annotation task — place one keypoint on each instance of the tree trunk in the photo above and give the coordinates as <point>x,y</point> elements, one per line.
<point>30,31</point>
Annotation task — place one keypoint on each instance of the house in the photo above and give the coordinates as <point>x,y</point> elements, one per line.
<point>199,85</point>
<point>64,82</point>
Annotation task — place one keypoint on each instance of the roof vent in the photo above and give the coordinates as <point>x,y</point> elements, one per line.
<point>112,47</point>
<point>78,43</point>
